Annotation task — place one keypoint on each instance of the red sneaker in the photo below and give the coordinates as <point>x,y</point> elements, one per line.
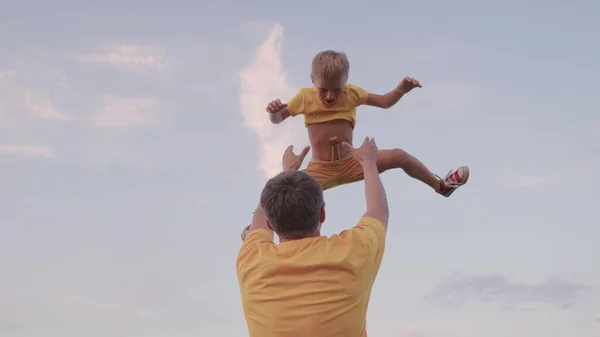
<point>453,181</point>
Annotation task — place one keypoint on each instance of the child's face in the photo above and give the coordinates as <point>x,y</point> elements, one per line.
<point>329,90</point>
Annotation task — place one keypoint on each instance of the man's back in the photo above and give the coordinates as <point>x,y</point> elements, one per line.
<point>316,286</point>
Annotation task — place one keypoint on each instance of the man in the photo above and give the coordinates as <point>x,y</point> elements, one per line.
<point>309,284</point>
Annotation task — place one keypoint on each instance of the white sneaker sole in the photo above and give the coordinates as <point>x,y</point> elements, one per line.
<point>465,178</point>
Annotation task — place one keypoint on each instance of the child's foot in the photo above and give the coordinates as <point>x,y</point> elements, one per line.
<point>453,181</point>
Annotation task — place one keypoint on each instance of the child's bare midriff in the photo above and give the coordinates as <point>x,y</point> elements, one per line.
<point>320,134</point>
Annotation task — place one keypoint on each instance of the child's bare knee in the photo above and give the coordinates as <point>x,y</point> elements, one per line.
<point>400,157</point>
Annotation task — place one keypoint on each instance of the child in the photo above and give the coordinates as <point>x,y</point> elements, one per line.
<point>329,109</point>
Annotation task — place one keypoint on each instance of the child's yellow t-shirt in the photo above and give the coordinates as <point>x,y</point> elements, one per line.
<point>307,102</point>
<point>316,286</point>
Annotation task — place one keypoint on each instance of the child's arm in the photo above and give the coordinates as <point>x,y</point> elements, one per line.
<point>390,99</point>
<point>278,112</point>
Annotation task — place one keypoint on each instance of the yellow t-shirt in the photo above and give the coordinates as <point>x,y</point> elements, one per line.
<point>317,286</point>
<point>308,103</point>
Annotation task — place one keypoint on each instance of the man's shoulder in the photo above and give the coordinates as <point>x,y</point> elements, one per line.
<point>370,222</point>
<point>252,244</point>
<point>366,229</point>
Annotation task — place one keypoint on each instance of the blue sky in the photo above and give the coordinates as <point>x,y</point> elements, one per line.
<point>134,145</point>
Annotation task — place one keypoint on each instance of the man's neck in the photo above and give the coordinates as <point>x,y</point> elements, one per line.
<point>283,239</point>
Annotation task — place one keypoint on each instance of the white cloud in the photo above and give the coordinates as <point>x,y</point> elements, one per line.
<point>43,108</point>
<point>520,179</point>
<point>7,118</point>
<point>30,92</point>
<point>261,82</point>
<point>134,58</point>
<point>389,326</point>
<point>533,181</point>
<point>458,289</point>
<point>7,73</point>
<point>27,151</point>
<point>126,111</point>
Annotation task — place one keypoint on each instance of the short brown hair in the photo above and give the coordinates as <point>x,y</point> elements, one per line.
<point>292,202</point>
<point>330,65</point>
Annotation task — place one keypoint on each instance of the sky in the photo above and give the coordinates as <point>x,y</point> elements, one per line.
<point>134,145</point>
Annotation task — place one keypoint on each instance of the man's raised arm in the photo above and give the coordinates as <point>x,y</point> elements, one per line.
<point>290,162</point>
<point>377,205</point>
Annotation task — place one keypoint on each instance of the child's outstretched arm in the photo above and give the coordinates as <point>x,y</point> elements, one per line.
<point>278,112</point>
<point>390,99</point>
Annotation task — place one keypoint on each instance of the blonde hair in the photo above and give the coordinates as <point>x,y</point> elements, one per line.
<point>330,65</point>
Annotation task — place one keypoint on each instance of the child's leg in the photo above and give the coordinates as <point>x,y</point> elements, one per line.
<point>397,158</point>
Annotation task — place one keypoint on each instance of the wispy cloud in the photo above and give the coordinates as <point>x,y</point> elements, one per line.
<point>114,305</point>
<point>26,151</point>
<point>42,107</point>
<point>126,111</point>
<point>10,326</point>
<point>386,325</point>
<point>261,82</point>
<point>527,178</point>
<point>7,73</point>
<point>30,92</point>
<point>457,290</point>
<point>7,118</point>
<point>532,181</point>
<point>134,58</point>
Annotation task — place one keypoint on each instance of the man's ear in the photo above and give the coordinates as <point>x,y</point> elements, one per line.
<point>323,213</point>
<point>268,224</point>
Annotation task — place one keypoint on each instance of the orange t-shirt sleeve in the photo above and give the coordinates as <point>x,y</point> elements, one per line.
<point>251,244</point>
<point>357,95</point>
<point>372,234</point>
<point>295,105</point>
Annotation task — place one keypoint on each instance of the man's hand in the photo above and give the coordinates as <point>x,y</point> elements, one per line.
<point>407,84</point>
<point>292,162</point>
<point>245,232</point>
<point>366,153</point>
<point>276,107</point>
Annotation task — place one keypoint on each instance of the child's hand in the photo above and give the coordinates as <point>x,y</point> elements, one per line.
<point>407,84</point>
<point>275,107</point>
<point>366,153</point>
